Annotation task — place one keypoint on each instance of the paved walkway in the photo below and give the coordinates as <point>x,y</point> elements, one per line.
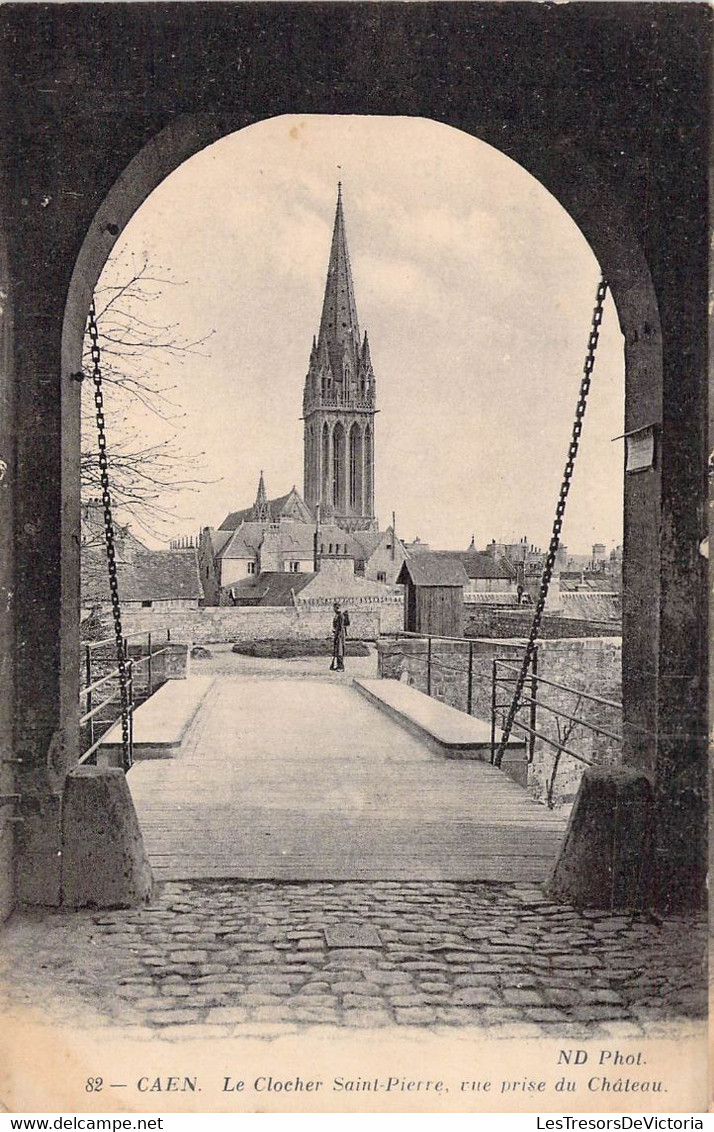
<point>236,958</point>
<point>306,780</point>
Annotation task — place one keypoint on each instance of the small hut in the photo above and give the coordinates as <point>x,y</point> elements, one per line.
<point>434,594</point>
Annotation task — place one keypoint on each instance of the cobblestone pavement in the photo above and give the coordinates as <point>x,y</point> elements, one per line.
<point>230,956</point>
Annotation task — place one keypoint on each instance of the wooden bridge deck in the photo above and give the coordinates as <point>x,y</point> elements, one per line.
<point>305,780</point>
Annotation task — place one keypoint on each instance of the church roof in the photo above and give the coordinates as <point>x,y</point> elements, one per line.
<point>433,569</point>
<point>296,540</point>
<point>339,326</point>
<point>291,505</point>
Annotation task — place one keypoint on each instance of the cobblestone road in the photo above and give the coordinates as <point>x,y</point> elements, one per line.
<point>227,956</point>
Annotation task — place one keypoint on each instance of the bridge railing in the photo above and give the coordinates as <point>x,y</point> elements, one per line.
<point>100,692</point>
<point>559,721</point>
<point>553,715</point>
<point>433,663</point>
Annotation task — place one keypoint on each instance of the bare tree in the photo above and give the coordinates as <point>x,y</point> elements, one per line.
<point>140,352</point>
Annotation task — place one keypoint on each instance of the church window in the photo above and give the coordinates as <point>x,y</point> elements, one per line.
<point>353,467</point>
<point>294,567</point>
<point>381,576</point>
<point>339,467</point>
<point>251,567</point>
<point>330,551</point>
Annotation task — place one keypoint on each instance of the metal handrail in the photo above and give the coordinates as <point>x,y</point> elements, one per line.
<point>129,637</point>
<point>95,710</point>
<point>564,715</point>
<point>551,742</point>
<point>138,661</point>
<point>533,702</point>
<point>561,687</point>
<point>98,683</point>
<point>428,636</point>
<point>86,693</point>
<point>90,751</point>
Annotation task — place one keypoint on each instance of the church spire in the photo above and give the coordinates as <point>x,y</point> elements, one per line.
<point>339,401</point>
<point>339,326</point>
<point>261,507</point>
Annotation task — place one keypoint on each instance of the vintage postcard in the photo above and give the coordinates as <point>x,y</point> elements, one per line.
<point>353,489</point>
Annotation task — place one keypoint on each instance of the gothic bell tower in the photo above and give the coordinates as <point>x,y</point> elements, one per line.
<point>339,402</point>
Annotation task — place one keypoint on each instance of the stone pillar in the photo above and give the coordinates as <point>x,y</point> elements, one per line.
<point>603,861</point>
<point>104,863</point>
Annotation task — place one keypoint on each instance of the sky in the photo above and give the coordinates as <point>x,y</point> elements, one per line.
<point>476,289</point>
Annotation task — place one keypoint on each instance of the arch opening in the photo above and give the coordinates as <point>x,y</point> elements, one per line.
<point>346,459</point>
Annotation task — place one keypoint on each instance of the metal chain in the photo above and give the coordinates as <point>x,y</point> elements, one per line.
<point>96,355</point>
<point>558,521</point>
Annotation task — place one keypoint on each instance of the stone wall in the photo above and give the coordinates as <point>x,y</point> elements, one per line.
<point>485,621</point>
<point>591,664</point>
<point>250,623</point>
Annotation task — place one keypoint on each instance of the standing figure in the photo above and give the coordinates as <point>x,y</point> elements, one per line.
<point>340,625</point>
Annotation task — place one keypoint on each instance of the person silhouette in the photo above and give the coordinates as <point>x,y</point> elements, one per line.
<point>340,625</point>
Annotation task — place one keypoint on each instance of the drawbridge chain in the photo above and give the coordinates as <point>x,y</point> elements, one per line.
<point>558,520</point>
<point>96,356</point>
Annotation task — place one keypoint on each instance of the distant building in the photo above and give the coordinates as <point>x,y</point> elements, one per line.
<point>147,579</point>
<point>334,521</point>
<point>434,594</point>
<point>277,536</point>
<point>416,546</point>
<point>383,552</point>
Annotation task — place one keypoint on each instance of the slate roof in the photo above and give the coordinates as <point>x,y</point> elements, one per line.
<point>479,565</point>
<point>591,605</point>
<point>148,575</point>
<point>270,588</point>
<point>484,566</point>
<point>368,541</point>
<point>243,542</point>
<point>278,507</point>
<point>296,540</point>
<point>217,539</point>
<point>433,569</point>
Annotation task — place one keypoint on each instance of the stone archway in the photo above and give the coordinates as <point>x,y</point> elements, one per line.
<point>624,265</point>
<point>519,80</point>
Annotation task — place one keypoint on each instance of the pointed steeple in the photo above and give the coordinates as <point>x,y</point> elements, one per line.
<point>339,401</point>
<point>366,359</point>
<point>261,507</point>
<point>339,326</point>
